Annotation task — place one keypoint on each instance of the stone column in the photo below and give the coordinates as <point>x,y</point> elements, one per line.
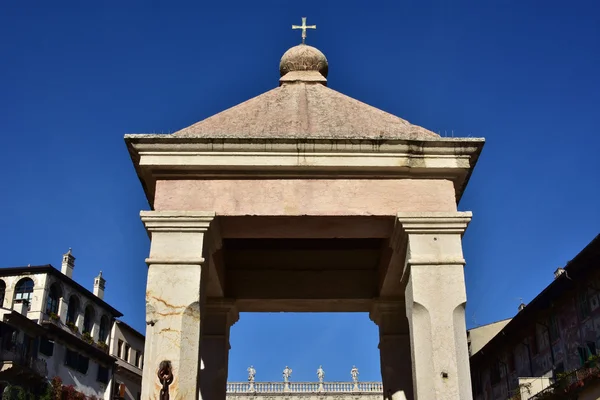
<point>394,348</point>
<point>62,310</point>
<point>435,304</point>
<point>174,297</point>
<point>218,317</point>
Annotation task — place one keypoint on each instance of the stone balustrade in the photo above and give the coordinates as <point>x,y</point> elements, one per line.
<point>303,387</point>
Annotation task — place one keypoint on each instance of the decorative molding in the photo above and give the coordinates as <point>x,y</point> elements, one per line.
<point>434,222</point>
<point>177,221</point>
<point>175,261</point>
<point>437,260</point>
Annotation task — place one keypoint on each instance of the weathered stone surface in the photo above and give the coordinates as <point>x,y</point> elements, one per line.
<point>305,110</point>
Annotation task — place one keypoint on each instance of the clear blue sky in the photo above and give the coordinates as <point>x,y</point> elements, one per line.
<point>76,76</point>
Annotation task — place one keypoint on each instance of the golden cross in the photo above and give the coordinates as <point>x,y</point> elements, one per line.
<point>304,27</point>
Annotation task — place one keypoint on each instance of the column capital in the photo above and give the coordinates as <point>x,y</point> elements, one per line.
<point>225,307</point>
<point>177,221</point>
<point>384,307</point>
<point>433,222</point>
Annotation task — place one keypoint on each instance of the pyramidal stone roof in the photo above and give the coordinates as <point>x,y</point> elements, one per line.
<point>303,107</point>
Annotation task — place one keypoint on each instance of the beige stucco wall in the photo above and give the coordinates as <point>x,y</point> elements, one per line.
<point>480,336</point>
<point>531,386</point>
<point>280,197</point>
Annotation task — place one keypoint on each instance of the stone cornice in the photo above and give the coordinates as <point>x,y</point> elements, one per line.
<point>177,221</point>
<point>167,156</point>
<point>434,222</point>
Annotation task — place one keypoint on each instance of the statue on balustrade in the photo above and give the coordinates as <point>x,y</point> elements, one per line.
<point>287,372</point>
<point>251,374</point>
<point>320,374</point>
<point>354,373</point>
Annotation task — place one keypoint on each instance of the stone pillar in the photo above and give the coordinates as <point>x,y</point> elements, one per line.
<point>174,298</point>
<point>62,310</point>
<point>394,349</point>
<point>435,304</point>
<point>218,317</point>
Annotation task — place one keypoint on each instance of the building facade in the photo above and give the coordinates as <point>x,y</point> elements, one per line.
<point>550,345</point>
<point>127,345</point>
<point>52,327</point>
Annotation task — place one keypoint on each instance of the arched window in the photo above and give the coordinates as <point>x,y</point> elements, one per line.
<point>24,290</point>
<point>2,292</point>
<point>73,310</point>
<point>54,296</point>
<point>103,331</point>
<point>88,319</point>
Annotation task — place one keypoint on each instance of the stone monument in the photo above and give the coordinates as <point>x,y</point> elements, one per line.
<point>304,199</point>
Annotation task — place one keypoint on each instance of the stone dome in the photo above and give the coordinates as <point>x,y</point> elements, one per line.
<point>303,58</point>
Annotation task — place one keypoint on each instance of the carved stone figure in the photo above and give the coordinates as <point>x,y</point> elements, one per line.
<point>287,372</point>
<point>251,373</point>
<point>354,373</point>
<point>320,374</point>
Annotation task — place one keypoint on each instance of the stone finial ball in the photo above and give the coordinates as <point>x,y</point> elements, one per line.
<point>303,58</point>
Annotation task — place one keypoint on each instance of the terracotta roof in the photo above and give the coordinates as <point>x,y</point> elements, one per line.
<point>304,110</point>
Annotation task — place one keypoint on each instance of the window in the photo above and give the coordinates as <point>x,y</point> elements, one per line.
<point>510,361</point>
<point>591,347</point>
<point>24,290</point>
<point>103,330</point>
<point>533,343</point>
<point>77,361</point>
<point>73,310</point>
<point>88,319</point>
<point>120,349</point>
<point>119,390</point>
<point>54,296</point>
<point>584,305</point>
<point>46,346</point>
<point>102,374</point>
<point>71,359</point>
<point>84,364</point>
<point>137,359</point>
<point>2,292</point>
<point>582,352</point>
<point>126,353</point>
<point>495,375</point>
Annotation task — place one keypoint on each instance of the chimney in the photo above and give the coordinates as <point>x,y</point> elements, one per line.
<point>99,283</point>
<point>559,271</point>
<point>21,306</point>
<point>68,263</point>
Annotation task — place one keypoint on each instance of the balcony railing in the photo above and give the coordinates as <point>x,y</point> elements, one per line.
<point>304,387</point>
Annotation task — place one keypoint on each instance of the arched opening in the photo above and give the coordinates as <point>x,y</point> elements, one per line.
<point>88,319</point>
<point>2,292</point>
<point>73,310</point>
<point>54,295</point>
<point>24,290</point>
<point>103,331</point>
<point>316,346</point>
